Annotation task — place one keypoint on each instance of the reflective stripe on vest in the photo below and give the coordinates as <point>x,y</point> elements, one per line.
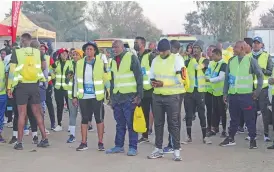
<point>171,80</point>
<point>60,75</point>
<point>124,80</point>
<point>191,69</point>
<point>217,87</point>
<point>262,61</point>
<point>98,75</point>
<point>240,79</point>
<point>208,73</point>
<point>146,70</point>
<point>2,78</point>
<point>21,57</point>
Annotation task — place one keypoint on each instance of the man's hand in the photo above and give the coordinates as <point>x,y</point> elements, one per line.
<point>9,94</point>
<point>225,99</point>
<point>156,84</point>
<point>271,81</point>
<point>136,100</point>
<point>75,102</point>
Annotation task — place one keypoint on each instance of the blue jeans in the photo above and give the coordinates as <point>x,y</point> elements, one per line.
<point>123,114</point>
<point>3,104</point>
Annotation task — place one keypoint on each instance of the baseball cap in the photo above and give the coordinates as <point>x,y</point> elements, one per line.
<point>259,39</point>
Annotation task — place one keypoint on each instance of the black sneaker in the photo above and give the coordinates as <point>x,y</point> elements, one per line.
<point>13,140</point>
<point>211,133</point>
<point>271,147</point>
<point>223,135</point>
<point>35,140</point>
<point>228,142</point>
<point>82,147</point>
<point>18,146</point>
<point>101,147</point>
<point>143,140</point>
<point>241,130</point>
<point>253,144</point>
<point>43,143</point>
<point>90,128</point>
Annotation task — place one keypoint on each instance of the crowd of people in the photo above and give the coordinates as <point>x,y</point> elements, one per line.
<point>159,79</point>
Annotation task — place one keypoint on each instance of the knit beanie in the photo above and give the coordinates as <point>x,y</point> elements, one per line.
<point>249,41</point>
<point>199,43</point>
<point>163,45</point>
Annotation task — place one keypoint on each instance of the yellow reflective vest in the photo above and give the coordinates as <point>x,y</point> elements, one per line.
<point>164,71</point>
<point>124,80</point>
<point>192,67</point>
<point>262,61</point>
<point>217,87</point>
<point>240,79</point>
<point>145,71</point>
<point>61,75</point>
<point>21,75</point>
<point>2,78</point>
<point>208,73</point>
<point>98,76</point>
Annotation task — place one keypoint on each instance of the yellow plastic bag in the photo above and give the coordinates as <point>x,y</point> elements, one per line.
<point>139,123</point>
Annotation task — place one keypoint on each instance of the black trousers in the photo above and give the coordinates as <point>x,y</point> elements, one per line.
<point>50,105</point>
<point>60,95</point>
<point>195,99</point>
<point>32,120</point>
<point>169,105</point>
<point>146,104</point>
<point>209,108</point>
<point>263,101</point>
<point>9,110</point>
<point>219,111</point>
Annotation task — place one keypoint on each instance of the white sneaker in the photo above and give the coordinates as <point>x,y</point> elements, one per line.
<point>248,138</point>
<point>207,140</point>
<point>267,139</point>
<point>5,121</point>
<point>26,132</point>
<point>58,128</point>
<point>10,125</point>
<point>47,131</point>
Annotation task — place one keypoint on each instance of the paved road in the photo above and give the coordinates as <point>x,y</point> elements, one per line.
<point>62,157</point>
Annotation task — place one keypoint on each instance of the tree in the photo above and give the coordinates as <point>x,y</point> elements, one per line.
<point>61,15</point>
<point>226,20</point>
<point>267,19</point>
<point>121,19</point>
<point>193,23</point>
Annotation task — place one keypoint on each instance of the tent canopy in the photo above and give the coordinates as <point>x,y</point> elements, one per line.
<point>5,30</point>
<point>25,25</point>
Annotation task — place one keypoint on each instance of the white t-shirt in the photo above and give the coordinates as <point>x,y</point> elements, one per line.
<point>104,58</point>
<point>89,90</point>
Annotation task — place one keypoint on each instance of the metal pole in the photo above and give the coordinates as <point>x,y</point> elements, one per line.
<point>240,19</point>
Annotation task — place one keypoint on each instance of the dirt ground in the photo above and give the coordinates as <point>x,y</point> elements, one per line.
<point>62,157</point>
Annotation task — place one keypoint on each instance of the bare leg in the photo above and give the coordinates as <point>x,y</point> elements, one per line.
<point>151,120</point>
<point>100,132</point>
<point>84,132</point>
<point>36,109</point>
<point>22,111</point>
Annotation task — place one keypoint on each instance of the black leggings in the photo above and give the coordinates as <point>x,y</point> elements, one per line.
<point>60,95</point>
<point>90,106</point>
<point>219,111</point>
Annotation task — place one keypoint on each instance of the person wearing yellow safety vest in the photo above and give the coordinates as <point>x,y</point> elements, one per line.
<point>266,64</point>
<point>73,110</point>
<point>126,92</point>
<point>49,61</point>
<point>175,49</point>
<point>145,58</point>
<point>188,53</point>
<point>216,79</point>
<point>61,70</point>
<point>209,93</point>
<point>248,51</point>
<point>238,93</point>
<point>88,92</point>
<point>271,82</point>
<point>3,97</point>
<point>195,95</point>
<point>25,66</point>
<point>168,86</point>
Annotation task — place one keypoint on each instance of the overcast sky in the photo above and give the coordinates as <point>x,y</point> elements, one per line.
<point>167,15</point>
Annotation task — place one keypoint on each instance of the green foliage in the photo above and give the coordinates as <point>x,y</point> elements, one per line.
<point>267,19</point>
<point>222,18</point>
<point>121,19</point>
<point>193,23</point>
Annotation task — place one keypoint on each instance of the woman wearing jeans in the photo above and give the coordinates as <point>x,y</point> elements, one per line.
<point>89,84</point>
<point>73,110</point>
